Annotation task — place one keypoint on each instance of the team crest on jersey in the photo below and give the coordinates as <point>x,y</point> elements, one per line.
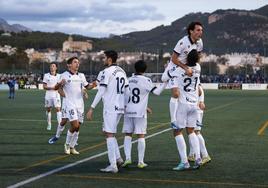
<point>102,77</point>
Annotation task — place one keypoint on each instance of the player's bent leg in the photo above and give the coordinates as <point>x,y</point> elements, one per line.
<point>205,157</point>
<point>195,143</point>
<point>173,105</point>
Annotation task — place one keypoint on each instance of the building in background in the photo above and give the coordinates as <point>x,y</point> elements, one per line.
<point>76,46</point>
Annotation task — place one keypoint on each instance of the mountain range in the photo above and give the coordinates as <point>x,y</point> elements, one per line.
<point>225,31</point>
<point>16,28</point>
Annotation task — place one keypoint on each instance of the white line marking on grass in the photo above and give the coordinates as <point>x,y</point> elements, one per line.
<point>32,179</point>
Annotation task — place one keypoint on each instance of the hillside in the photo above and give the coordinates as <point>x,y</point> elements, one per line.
<point>225,31</point>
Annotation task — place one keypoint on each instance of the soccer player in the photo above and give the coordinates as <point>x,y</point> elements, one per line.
<point>203,150</point>
<point>135,118</point>
<point>113,89</point>
<point>187,111</point>
<point>72,83</point>
<point>52,97</point>
<point>11,84</point>
<point>64,118</point>
<point>183,47</point>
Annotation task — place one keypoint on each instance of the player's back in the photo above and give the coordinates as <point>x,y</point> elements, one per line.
<point>188,85</point>
<point>140,87</point>
<point>115,80</point>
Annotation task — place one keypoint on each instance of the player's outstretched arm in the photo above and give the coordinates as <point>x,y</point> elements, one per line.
<point>158,90</point>
<point>91,85</point>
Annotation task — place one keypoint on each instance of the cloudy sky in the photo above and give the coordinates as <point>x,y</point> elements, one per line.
<point>99,18</point>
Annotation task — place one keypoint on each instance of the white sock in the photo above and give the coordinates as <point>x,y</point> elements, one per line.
<point>191,152</point>
<point>74,140</point>
<point>59,130</point>
<point>127,147</point>
<point>141,149</point>
<point>59,117</point>
<point>117,151</point>
<point>181,145</point>
<point>173,105</point>
<point>202,145</point>
<point>48,118</point>
<point>111,151</point>
<point>195,143</point>
<point>69,137</point>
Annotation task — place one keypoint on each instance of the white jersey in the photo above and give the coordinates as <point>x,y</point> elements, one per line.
<point>51,81</point>
<point>140,87</point>
<point>182,48</point>
<point>115,80</point>
<point>73,88</point>
<point>188,85</point>
<point>185,45</point>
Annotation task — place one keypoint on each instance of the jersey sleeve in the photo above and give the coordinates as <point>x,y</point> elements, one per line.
<point>104,80</point>
<point>149,86</point>
<point>179,47</point>
<point>99,77</point>
<point>199,47</point>
<point>84,81</point>
<point>45,79</point>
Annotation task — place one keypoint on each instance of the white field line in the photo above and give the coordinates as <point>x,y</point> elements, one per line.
<point>32,179</point>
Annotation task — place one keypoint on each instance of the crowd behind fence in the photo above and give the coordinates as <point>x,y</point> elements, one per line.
<point>35,79</point>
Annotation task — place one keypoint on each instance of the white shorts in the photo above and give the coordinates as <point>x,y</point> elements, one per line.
<point>110,122</point>
<point>187,115</point>
<point>53,102</point>
<point>136,125</point>
<point>73,113</point>
<point>63,110</point>
<point>199,122</point>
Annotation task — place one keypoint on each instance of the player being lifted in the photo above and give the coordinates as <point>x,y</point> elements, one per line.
<point>113,89</point>
<point>183,47</point>
<point>187,111</point>
<point>72,83</point>
<point>52,97</point>
<point>135,118</point>
<point>203,150</point>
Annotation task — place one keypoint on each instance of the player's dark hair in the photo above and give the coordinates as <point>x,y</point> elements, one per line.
<point>70,60</point>
<point>191,26</point>
<point>192,58</point>
<point>54,64</point>
<point>111,54</point>
<point>140,66</point>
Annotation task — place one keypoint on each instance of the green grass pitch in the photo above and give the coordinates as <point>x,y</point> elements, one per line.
<point>231,123</point>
